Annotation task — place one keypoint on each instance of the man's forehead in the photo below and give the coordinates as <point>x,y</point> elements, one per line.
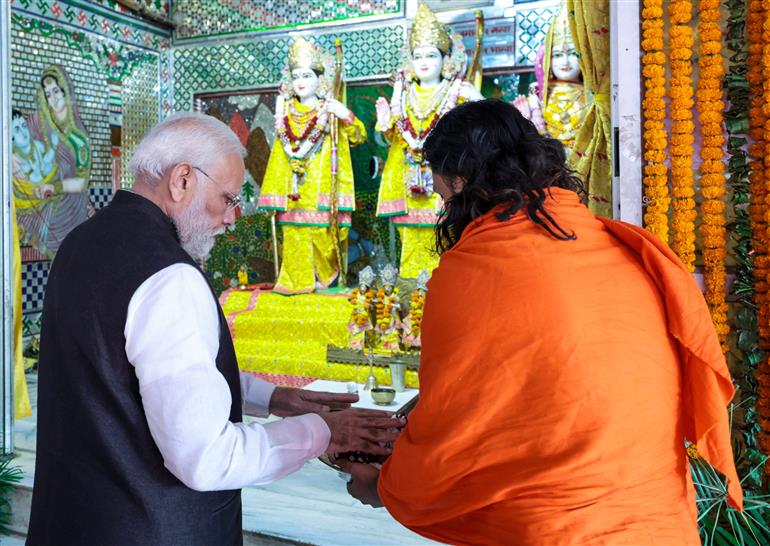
<point>229,171</point>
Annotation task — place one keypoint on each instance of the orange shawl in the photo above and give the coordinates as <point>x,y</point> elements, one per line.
<point>559,380</point>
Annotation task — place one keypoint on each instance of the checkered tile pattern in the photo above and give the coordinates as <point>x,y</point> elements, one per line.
<point>34,276</point>
<point>30,324</point>
<point>100,195</point>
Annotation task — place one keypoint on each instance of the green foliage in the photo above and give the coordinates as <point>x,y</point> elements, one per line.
<point>718,523</point>
<point>249,243</point>
<point>9,477</point>
<point>746,354</point>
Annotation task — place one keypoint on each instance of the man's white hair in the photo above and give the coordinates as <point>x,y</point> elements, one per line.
<point>184,137</point>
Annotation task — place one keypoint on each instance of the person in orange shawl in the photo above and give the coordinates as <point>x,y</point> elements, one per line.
<point>566,359</point>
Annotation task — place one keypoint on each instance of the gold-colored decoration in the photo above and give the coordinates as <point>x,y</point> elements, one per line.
<point>428,31</point>
<point>303,54</point>
<point>561,31</point>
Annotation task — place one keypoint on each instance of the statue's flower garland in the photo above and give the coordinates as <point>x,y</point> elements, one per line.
<point>654,111</point>
<point>362,302</point>
<point>682,128</point>
<point>416,310</point>
<point>710,106</point>
<point>385,304</point>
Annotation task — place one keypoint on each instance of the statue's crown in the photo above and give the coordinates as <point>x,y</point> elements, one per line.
<point>428,31</point>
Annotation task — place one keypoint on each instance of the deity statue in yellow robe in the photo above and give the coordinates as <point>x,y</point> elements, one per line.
<point>558,103</point>
<point>429,85</point>
<point>298,185</point>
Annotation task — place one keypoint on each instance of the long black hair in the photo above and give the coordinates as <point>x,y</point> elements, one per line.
<point>502,159</point>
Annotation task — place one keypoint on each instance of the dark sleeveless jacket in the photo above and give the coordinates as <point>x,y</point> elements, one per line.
<point>99,477</point>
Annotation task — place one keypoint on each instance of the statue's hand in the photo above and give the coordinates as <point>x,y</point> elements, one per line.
<point>279,109</point>
<point>398,88</point>
<point>469,92</point>
<point>383,114</point>
<point>337,109</point>
<point>522,105</point>
<point>54,139</point>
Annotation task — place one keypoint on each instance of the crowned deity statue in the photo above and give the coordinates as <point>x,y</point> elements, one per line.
<point>557,103</point>
<point>429,85</point>
<point>413,321</point>
<point>308,181</point>
<point>388,311</point>
<point>362,300</point>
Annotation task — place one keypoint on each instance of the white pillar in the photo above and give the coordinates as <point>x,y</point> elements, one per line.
<point>6,313</point>
<point>626,111</point>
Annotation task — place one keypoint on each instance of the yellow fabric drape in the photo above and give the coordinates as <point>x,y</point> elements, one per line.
<point>591,155</point>
<point>21,405</point>
<point>279,335</point>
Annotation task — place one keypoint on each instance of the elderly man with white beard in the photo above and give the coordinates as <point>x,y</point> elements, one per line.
<point>140,439</point>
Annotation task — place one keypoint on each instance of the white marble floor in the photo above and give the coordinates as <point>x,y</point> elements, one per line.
<point>311,506</point>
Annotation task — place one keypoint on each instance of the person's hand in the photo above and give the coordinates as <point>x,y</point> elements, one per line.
<point>383,114</point>
<point>363,482</point>
<point>338,109</point>
<point>286,401</point>
<point>368,431</point>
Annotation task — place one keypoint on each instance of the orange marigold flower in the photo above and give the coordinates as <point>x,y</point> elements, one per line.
<point>713,206</point>
<point>712,192</point>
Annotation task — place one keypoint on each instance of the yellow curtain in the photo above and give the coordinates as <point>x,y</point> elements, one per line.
<point>21,405</point>
<point>591,155</point>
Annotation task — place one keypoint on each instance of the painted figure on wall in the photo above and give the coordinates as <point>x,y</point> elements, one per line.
<point>31,161</point>
<point>52,164</point>
<point>557,103</point>
<point>298,182</point>
<point>430,85</point>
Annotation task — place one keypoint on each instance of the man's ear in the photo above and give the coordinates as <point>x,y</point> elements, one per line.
<point>180,181</point>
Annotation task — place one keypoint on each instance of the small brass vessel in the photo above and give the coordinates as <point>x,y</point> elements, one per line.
<point>383,396</point>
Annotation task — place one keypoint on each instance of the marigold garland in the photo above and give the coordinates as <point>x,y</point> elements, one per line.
<point>712,179</point>
<point>682,128</point>
<point>759,67</point>
<point>360,318</point>
<point>385,305</point>
<point>416,311</point>
<point>654,112</point>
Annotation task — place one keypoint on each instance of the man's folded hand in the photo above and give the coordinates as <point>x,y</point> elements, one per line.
<point>368,431</point>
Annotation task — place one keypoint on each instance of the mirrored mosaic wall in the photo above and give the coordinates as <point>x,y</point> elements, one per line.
<point>369,53</point>
<point>531,28</point>
<point>161,8</point>
<point>199,18</point>
<point>139,94</point>
<point>35,47</point>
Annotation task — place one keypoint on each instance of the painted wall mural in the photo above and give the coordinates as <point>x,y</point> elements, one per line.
<point>52,165</point>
